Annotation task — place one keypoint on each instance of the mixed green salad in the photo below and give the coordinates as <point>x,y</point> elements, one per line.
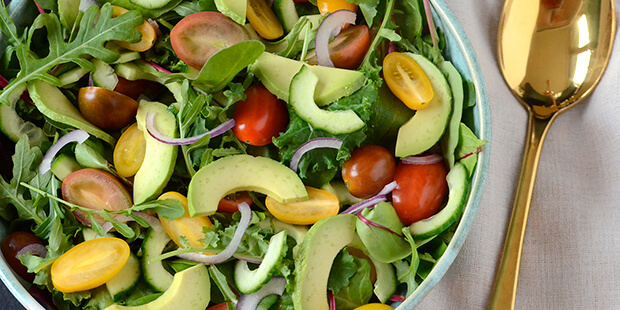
<point>230,154</point>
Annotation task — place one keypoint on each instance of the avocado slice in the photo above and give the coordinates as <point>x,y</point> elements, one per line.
<point>242,173</point>
<point>190,290</point>
<point>55,106</point>
<point>159,158</point>
<point>276,73</point>
<point>316,255</point>
<point>427,125</point>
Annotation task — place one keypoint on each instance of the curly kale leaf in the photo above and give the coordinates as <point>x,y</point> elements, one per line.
<point>96,28</point>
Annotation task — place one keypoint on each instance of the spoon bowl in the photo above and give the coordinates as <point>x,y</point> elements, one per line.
<point>552,54</point>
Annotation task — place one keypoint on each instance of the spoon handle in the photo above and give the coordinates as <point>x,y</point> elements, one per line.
<point>505,291</point>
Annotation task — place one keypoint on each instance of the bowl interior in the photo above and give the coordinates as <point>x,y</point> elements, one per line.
<point>462,55</point>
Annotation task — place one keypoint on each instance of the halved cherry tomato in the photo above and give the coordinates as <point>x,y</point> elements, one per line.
<point>94,189</point>
<point>330,6</point>
<point>189,227</point>
<point>230,203</point>
<point>374,306</point>
<point>347,49</point>
<point>12,244</point>
<point>222,306</point>
<point>129,151</point>
<point>133,89</point>
<point>320,204</point>
<point>198,36</point>
<point>261,117</point>
<point>106,108</point>
<point>407,80</point>
<point>89,264</point>
<point>420,190</point>
<point>146,29</point>
<point>263,20</point>
<point>368,170</point>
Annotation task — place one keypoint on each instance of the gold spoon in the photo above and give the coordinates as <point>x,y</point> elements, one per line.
<point>552,54</point>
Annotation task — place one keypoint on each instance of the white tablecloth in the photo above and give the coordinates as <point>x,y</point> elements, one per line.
<point>571,256</point>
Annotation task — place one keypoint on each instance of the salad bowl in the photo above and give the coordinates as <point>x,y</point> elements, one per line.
<point>460,52</point>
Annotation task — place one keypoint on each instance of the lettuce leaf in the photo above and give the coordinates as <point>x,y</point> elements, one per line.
<point>349,280</point>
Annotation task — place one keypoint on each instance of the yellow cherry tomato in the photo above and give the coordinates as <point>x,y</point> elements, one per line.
<point>146,29</point>
<point>407,80</point>
<point>375,306</point>
<point>129,151</point>
<point>320,204</point>
<point>190,228</point>
<point>330,6</point>
<point>263,20</point>
<point>89,264</point>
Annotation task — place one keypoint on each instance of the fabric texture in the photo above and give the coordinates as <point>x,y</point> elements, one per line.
<point>571,252</point>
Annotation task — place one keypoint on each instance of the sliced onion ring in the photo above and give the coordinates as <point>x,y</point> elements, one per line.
<point>35,249</point>
<point>78,136</point>
<point>244,222</point>
<point>250,301</point>
<point>155,26</point>
<point>331,26</point>
<point>331,143</point>
<point>370,202</point>
<point>158,67</point>
<point>422,159</point>
<point>150,127</point>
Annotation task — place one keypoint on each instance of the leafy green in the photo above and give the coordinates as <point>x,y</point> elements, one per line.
<point>468,148</point>
<point>349,280</point>
<point>169,209</point>
<point>189,7</point>
<point>368,8</point>
<point>146,13</point>
<point>163,54</point>
<point>96,28</point>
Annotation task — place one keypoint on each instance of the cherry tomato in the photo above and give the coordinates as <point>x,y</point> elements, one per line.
<point>320,204</point>
<point>230,203</point>
<point>348,48</point>
<point>12,244</point>
<point>106,108</point>
<point>263,20</point>
<point>129,151</point>
<point>198,36</point>
<point>189,227</point>
<point>94,189</point>
<point>222,306</point>
<point>420,190</point>
<point>133,89</point>
<point>261,117</point>
<point>89,264</point>
<point>374,306</point>
<point>368,170</point>
<point>407,80</point>
<point>330,6</point>
<point>146,29</point>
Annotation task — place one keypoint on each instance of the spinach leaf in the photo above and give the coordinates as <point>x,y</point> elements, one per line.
<point>349,279</point>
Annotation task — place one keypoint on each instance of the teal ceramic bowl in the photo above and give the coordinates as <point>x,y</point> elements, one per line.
<point>462,55</point>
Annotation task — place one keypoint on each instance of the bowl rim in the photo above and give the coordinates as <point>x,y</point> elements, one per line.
<point>482,108</point>
<point>483,132</point>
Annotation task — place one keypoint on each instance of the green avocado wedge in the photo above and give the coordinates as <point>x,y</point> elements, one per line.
<point>235,173</point>
<point>190,290</point>
<point>316,255</point>
<point>450,138</point>
<point>159,158</point>
<point>55,106</point>
<point>427,125</point>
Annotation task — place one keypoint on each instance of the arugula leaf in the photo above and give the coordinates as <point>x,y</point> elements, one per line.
<point>169,209</point>
<point>96,28</point>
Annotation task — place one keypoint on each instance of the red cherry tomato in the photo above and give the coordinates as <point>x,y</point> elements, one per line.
<point>261,117</point>
<point>134,89</point>
<point>222,306</point>
<point>230,203</point>
<point>348,48</point>
<point>12,244</point>
<point>198,36</point>
<point>368,170</point>
<point>420,190</point>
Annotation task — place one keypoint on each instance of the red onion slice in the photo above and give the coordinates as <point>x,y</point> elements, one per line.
<point>331,143</point>
<point>150,127</point>
<point>78,136</point>
<point>388,188</point>
<point>370,202</point>
<point>158,67</point>
<point>398,298</point>
<point>422,159</point>
<point>155,26</point>
<point>331,26</point>
<point>35,249</point>
<point>250,301</point>
<point>244,222</point>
